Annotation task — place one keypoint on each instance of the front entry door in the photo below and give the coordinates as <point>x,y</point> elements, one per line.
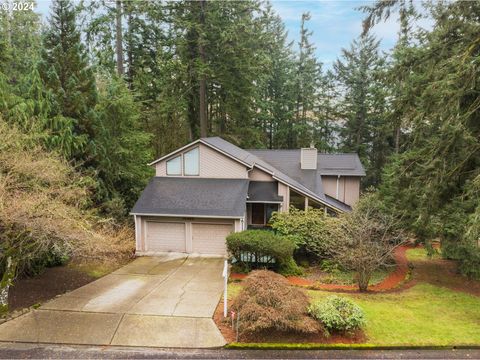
<point>258,214</point>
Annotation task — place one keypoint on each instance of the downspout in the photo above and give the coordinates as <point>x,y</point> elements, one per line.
<point>338,186</point>
<point>136,232</point>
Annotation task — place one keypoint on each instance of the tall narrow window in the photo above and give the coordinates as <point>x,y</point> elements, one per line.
<point>174,166</point>
<point>191,162</point>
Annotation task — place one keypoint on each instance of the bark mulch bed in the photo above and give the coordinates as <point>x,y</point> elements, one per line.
<point>53,281</point>
<point>392,281</point>
<point>225,327</point>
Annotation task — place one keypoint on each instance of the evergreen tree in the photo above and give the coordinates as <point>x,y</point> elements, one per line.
<point>363,108</point>
<point>19,43</point>
<point>275,96</point>
<point>308,75</point>
<point>433,183</point>
<point>326,132</point>
<point>66,73</point>
<point>123,163</point>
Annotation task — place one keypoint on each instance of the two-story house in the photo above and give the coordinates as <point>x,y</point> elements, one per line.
<point>210,188</point>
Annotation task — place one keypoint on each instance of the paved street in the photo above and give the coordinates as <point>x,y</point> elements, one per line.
<point>8,350</point>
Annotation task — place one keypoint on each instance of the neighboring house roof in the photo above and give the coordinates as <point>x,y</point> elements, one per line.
<point>263,191</point>
<point>223,198</point>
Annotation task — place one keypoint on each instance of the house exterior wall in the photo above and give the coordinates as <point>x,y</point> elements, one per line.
<point>213,164</point>
<point>284,190</point>
<point>348,188</point>
<point>352,190</point>
<point>259,175</point>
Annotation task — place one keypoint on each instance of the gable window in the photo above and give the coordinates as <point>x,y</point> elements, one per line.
<point>191,162</point>
<point>174,166</point>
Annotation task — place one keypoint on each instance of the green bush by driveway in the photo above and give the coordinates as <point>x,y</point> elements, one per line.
<point>254,249</point>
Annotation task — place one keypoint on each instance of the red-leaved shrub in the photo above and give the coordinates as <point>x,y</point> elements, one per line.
<point>268,302</point>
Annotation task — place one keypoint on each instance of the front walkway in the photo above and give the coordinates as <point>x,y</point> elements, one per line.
<point>165,301</point>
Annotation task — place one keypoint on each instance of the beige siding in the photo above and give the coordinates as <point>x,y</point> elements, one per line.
<point>259,175</point>
<point>213,164</point>
<point>165,236</point>
<point>352,190</point>
<point>161,168</point>
<point>348,188</point>
<point>210,238</point>
<point>284,190</point>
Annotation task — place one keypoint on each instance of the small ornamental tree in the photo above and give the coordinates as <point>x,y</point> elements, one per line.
<point>368,239</point>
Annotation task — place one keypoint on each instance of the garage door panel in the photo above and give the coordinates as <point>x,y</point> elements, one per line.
<point>210,238</point>
<point>165,236</point>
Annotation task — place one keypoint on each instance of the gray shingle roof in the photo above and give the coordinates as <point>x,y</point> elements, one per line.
<point>193,197</point>
<point>263,191</point>
<point>250,159</point>
<point>338,203</point>
<point>285,165</point>
<point>288,161</point>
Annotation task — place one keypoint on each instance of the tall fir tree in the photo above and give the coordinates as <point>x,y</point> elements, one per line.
<point>66,73</point>
<point>308,76</point>
<point>275,96</point>
<point>365,129</point>
<point>434,183</point>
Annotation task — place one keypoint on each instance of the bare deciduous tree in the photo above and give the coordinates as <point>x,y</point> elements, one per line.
<point>367,240</point>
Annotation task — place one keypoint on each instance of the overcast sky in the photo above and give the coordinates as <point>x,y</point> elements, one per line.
<point>335,23</point>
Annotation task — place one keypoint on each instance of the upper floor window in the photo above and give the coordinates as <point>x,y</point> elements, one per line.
<point>174,166</point>
<point>191,162</point>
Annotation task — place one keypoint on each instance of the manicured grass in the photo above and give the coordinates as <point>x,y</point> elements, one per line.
<point>424,315</point>
<point>417,254</point>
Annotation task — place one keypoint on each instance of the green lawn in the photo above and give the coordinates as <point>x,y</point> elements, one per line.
<point>420,254</point>
<point>422,315</point>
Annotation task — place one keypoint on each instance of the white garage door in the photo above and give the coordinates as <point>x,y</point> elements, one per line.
<point>210,238</point>
<point>165,236</point>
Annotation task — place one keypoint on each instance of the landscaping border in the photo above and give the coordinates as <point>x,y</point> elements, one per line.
<point>315,346</point>
<point>391,282</point>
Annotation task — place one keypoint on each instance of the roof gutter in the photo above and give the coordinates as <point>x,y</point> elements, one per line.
<point>189,216</point>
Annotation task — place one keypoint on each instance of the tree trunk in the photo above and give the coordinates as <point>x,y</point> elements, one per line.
<point>5,282</point>
<point>363,280</point>
<point>203,80</point>
<point>129,43</point>
<point>118,38</point>
<point>397,139</point>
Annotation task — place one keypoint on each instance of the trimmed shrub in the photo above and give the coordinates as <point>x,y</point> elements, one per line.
<point>312,230</point>
<point>261,248</point>
<point>269,303</point>
<point>338,314</point>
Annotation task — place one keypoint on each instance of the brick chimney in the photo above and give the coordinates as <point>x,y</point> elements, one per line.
<point>308,158</point>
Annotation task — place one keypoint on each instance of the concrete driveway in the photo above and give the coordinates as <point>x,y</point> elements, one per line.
<point>165,301</point>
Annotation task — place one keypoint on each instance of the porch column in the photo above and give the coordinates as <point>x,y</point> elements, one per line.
<point>306,203</point>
